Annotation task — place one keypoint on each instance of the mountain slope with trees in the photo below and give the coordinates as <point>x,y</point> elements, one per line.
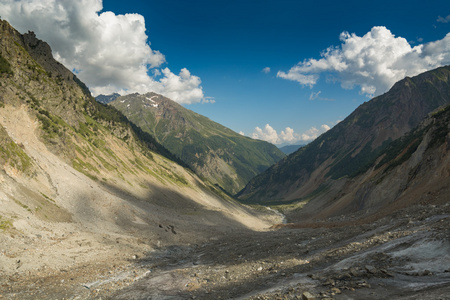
<point>215,152</point>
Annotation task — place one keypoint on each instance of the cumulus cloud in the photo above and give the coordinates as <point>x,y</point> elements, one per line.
<point>287,136</point>
<point>373,62</point>
<point>109,52</point>
<point>267,134</point>
<point>266,70</point>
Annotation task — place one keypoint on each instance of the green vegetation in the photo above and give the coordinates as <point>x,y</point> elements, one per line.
<point>13,154</point>
<point>85,168</point>
<point>48,198</point>
<point>212,150</point>
<point>5,223</point>
<point>442,119</point>
<point>22,205</point>
<point>5,66</point>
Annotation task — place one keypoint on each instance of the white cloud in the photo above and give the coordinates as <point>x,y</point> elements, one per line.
<point>373,62</point>
<point>287,136</point>
<point>110,52</point>
<point>325,127</point>
<point>266,70</point>
<point>443,20</point>
<point>209,100</point>
<point>267,134</point>
<point>314,96</point>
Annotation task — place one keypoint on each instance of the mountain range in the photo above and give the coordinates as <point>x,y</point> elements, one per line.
<point>288,149</point>
<point>96,203</point>
<point>105,99</point>
<point>213,151</point>
<point>351,167</point>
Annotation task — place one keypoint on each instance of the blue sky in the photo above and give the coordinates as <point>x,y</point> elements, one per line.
<point>258,67</point>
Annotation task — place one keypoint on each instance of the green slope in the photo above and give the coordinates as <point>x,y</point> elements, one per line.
<point>215,152</point>
<point>94,138</point>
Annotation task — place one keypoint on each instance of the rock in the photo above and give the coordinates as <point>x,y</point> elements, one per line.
<point>329,282</point>
<point>371,269</point>
<point>336,290</point>
<point>387,273</point>
<point>354,271</point>
<point>308,296</point>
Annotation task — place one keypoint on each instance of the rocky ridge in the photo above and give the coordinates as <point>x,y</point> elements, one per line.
<point>373,158</point>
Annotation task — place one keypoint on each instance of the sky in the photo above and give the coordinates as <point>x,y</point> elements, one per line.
<point>284,71</point>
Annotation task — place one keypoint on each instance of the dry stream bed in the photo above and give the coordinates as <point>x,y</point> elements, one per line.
<point>405,256</point>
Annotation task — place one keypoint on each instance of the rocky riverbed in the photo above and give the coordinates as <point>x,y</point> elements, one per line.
<point>403,256</point>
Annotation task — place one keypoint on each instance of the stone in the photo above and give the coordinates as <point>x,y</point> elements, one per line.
<point>371,269</point>
<point>336,290</point>
<point>308,296</point>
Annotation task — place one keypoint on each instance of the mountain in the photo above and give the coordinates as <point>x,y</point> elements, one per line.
<point>288,149</point>
<point>80,185</point>
<point>213,151</point>
<point>329,167</point>
<point>105,99</point>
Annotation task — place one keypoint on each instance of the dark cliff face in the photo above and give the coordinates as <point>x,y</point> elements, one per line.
<point>347,150</point>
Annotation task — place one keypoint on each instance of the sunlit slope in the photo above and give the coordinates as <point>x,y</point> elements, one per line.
<point>215,152</point>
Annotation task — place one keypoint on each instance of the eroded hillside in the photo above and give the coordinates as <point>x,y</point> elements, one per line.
<point>80,185</point>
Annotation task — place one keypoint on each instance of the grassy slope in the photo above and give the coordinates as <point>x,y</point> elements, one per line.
<point>212,150</point>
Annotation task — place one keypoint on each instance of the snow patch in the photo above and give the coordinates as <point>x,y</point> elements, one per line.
<point>153,104</point>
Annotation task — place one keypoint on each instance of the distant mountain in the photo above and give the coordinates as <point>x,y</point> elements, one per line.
<point>326,168</point>
<point>288,149</point>
<point>215,152</point>
<point>105,99</point>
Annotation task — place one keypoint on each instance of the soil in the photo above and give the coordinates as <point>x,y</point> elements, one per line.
<point>404,256</point>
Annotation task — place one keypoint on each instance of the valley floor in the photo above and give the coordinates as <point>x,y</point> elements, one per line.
<point>404,256</point>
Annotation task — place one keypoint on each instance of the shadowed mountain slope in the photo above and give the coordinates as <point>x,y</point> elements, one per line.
<point>327,167</point>
<point>215,152</point>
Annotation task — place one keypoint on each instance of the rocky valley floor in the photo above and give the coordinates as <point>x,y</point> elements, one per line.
<point>404,256</point>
